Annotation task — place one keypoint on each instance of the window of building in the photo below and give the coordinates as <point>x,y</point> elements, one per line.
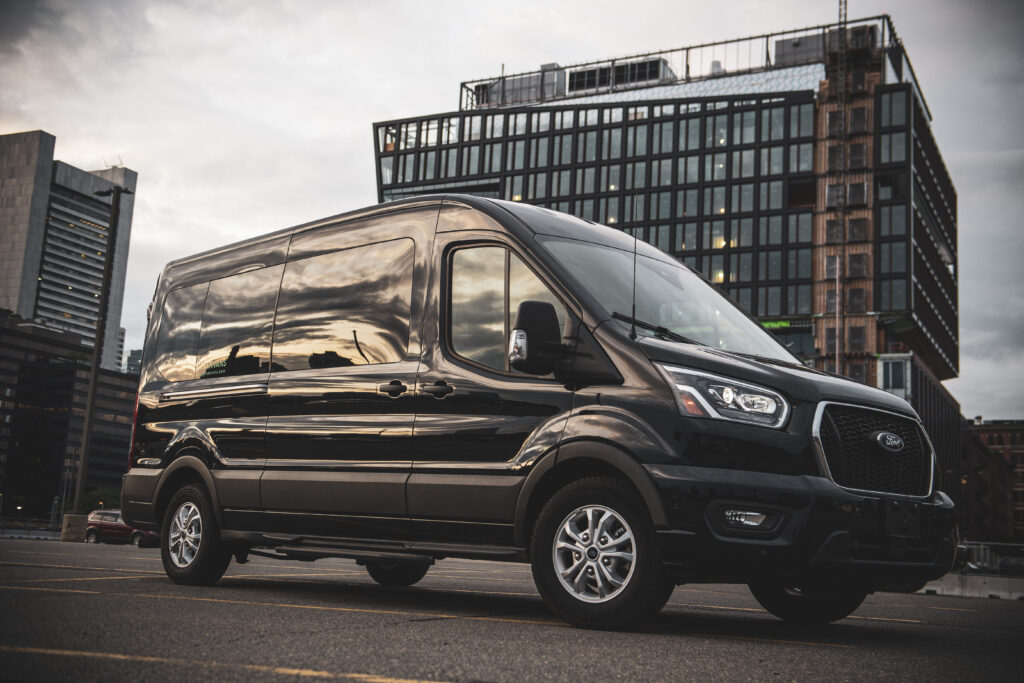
<point>178,336</point>
<point>608,210</point>
<point>562,150</point>
<point>799,300</point>
<point>471,160</point>
<point>770,230</point>
<point>636,140</point>
<point>661,206</point>
<point>714,200</point>
<point>633,206</point>
<point>830,303</point>
<point>537,188</point>
<point>636,175</point>
<point>717,132</point>
<point>636,113</point>
<point>892,148</point>
<point>610,181</point>
<point>799,228</point>
<point>407,136</point>
<point>893,109</point>
<point>237,321</point>
<point>835,122</point>
<point>661,172</point>
<point>714,167</point>
<point>858,194</point>
<point>743,163</point>
<point>832,196</point>
<point>516,155</point>
<point>771,161</point>
<point>661,140</point>
<point>386,164</point>
<point>773,123</point>
<point>492,157</point>
<point>799,263</point>
<point>833,231</point>
<point>612,115</point>
<point>893,295</point>
<point>611,143</point>
<point>801,157</point>
<point>564,119</point>
<point>893,257</point>
<point>494,125</point>
<point>741,267</point>
<point>858,120</point>
<point>386,138</point>
<point>689,135</point>
<point>835,158</point>
<point>688,237</point>
<point>689,169</point>
<point>830,266</point>
<point>801,120</point>
<point>892,375</point>
<point>858,265</point>
<point>585,179</point>
<point>858,156</point>
<point>743,232</point>
<point>539,152</point>
<point>586,146</point>
<point>858,229</point>
<point>743,197</point>
<point>855,303</point>
<point>686,203</point>
<point>428,133</point>
<point>771,195</point>
<point>769,265</point>
<point>450,130</point>
<point>769,300</point>
<point>743,127</point>
<point>349,307</point>
<point>540,122</point>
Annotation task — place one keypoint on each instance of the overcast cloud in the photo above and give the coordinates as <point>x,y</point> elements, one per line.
<point>243,116</point>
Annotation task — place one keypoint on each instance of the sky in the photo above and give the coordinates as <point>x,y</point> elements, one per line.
<point>247,116</point>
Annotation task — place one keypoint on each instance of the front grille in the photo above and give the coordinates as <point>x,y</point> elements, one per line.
<point>856,461</point>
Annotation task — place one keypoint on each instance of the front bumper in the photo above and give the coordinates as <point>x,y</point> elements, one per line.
<point>817,530</point>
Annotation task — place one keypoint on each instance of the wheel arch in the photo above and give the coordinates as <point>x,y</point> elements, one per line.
<point>575,460</point>
<point>186,469</point>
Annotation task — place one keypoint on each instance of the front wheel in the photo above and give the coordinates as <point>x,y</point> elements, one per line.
<point>397,573</point>
<point>805,605</point>
<point>593,555</point>
<point>190,545</point>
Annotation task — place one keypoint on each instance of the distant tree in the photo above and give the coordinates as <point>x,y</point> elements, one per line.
<point>110,497</point>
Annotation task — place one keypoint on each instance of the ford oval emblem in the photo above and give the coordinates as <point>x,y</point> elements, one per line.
<point>889,441</point>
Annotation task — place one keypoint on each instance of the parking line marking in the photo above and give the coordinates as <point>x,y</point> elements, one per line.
<point>945,609</point>
<point>72,566</point>
<point>80,578</point>
<point>257,668</point>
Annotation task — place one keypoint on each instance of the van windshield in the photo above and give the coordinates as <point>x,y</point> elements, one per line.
<point>668,296</point>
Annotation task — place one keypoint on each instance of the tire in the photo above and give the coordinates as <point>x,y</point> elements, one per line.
<point>136,540</point>
<point>91,537</point>
<point>807,606</point>
<point>397,573</point>
<point>594,558</point>
<point>190,545</point>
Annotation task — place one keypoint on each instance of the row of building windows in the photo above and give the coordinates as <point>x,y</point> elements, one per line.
<point>669,135</point>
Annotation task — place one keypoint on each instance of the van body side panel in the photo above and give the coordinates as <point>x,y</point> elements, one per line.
<point>341,394</point>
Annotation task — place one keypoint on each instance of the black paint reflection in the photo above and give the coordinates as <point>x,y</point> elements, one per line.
<point>349,307</point>
<point>179,332</point>
<point>239,314</point>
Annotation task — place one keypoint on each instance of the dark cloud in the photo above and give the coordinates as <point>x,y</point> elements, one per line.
<point>18,18</point>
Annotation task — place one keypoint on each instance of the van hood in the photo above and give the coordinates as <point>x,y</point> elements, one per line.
<point>797,382</point>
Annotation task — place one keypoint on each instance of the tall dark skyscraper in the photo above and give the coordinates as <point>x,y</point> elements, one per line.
<point>55,235</point>
<point>819,203</point>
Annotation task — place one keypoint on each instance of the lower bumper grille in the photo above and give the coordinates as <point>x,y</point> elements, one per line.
<point>856,460</point>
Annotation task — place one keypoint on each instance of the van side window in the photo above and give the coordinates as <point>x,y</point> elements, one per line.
<point>349,307</point>
<point>179,332</point>
<point>487,285</point>
<point>237,321</point>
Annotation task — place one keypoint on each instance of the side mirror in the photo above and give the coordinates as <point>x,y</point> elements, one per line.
<point>535,344</point>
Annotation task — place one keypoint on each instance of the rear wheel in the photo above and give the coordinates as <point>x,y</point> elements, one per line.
<point>190,547</point>
<point>807,605</point>
<point>397,573</point>
<point>91,537</point>
<point>594,559</point>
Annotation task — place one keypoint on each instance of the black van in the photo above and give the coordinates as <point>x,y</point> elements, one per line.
<point>452,376</point>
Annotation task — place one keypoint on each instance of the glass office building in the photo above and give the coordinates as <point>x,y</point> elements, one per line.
<point>825,212</point>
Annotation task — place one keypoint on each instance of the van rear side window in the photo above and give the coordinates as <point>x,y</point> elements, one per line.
<point>237,321</point>
<point>349,307</point>
<point>179,332</point>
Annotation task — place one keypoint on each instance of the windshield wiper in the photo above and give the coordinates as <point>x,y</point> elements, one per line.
<point>657,329</point>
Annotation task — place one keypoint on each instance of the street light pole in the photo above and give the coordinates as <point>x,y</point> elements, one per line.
<point>115,193</point>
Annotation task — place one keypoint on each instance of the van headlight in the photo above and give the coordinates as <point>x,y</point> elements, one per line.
<point>700,394</point>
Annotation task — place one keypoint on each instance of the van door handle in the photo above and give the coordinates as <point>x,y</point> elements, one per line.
<point>394,388</point>
<point>438,389</point>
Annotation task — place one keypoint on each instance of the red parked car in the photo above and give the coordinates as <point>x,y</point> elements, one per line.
<point>108,526</point>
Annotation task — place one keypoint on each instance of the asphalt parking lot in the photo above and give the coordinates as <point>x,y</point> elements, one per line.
<point>102,612</point>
